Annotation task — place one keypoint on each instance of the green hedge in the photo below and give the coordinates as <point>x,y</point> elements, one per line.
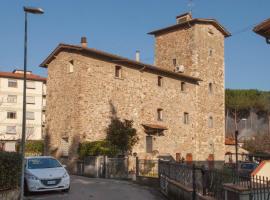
<point>10,170</point>
<point>33,147</point>
<point>97,148</point>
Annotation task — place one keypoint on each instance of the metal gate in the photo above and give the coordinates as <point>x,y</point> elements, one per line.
<point>116,168</point>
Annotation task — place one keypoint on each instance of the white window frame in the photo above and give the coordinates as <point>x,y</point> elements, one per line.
<point>30,84</point>
<point>11,82</point>
<point>30,115</point>
<point>13,112</point>
<point>12,99</point>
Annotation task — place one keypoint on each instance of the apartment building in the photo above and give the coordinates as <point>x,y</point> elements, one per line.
<point>11,103</point>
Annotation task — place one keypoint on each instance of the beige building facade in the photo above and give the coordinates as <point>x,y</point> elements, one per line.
<point>11,103</point>
<point>177,104</point>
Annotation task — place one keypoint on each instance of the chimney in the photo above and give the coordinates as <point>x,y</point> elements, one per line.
<point>183,18</point>
<point>84,42</point>
<point>138,56</point>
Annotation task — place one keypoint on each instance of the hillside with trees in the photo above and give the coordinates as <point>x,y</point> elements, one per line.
<point>249,112</point>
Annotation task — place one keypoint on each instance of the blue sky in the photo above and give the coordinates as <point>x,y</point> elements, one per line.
<point>120,27</point>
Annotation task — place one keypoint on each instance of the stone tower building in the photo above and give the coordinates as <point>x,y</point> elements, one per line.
<point>196,47</point>
<point>177,104</point>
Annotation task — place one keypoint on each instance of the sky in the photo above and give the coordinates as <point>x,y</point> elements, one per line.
<point>121,27</point>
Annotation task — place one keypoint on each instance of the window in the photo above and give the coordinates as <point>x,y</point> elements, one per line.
<point>149,144</point>
<point>210,52</point>
<point>210,122</point>
<point>160,81</point>
<point>12,99</point>
<point>12,83</point>
<point>174,62</point>
<point>30,100</point>
<point>30,115</point>
<point>11,115</point>
<point>159,114</point>
<point>118,71</point>
<point>11,129</point>
<point>210,88</point>
<point>30,85</point>
<point>71,66</point>
<point>186,118</point>
<point>183,86</point>
<point>64,146</point>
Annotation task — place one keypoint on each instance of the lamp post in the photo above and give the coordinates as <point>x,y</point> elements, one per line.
<point>22,149</point>
<point>236,151</point>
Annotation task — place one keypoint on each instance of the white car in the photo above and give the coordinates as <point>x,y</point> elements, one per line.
<point>45,173</point>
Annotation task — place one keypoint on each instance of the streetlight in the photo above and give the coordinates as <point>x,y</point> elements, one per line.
<point>22,150</point>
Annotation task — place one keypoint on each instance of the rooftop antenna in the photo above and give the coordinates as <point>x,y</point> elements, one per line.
<point>190,6</point>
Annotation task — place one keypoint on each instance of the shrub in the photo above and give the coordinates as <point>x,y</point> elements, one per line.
<point>97,148</point>
<point>122,135</point>
<point>10,170</point>
<point>33,147</point>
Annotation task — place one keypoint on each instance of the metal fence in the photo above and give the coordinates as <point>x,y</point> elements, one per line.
<point>147,168</point>
<point>211,181</point>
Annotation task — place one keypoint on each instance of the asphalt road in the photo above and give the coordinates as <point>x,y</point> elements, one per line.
<point>83,188</point>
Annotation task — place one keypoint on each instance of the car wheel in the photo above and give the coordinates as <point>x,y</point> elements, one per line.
<point>67,190</point>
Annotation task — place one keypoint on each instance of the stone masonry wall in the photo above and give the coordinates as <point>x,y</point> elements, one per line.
<point>81,104</point>
<point>200,48</point>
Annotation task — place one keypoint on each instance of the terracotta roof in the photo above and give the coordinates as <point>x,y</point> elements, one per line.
<point>20,76</point>
<point>263,28</point>
<point>114,59</point>
<point>154,126</point>
<point>192,22</point>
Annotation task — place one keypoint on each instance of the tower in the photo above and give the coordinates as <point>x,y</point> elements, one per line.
<point>195,47</point>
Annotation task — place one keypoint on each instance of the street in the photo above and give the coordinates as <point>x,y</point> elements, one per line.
<point>83,188</point>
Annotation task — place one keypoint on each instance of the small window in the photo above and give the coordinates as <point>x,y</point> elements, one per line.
<point>174,62</point>
<point>12,99</point>
<point>64,147</point>
<point>118,71</point>
<point>183,86</point>
<point>210,52</point>
<point>30,115</point>
<point>160,81</point>
<point>30,85</point>
<point>159,114</point>
<point>210,88</point>
<point>186,118</point>
<point>71,66</point>
<point>11,115</point>
<point>210,122</point>
<point>149,144</point>
<point>11,129</point>
<point>12,83</point>
<point>30,100</point>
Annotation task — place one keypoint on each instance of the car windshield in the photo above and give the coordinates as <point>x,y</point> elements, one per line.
<point>42,163</point>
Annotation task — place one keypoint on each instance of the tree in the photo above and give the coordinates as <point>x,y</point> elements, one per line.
<point>122,134</point>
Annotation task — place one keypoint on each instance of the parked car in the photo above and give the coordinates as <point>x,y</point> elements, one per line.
<point>246,168</point>
<point>45,173</point>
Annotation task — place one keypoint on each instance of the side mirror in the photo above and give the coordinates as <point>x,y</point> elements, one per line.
<point>64,166</point>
